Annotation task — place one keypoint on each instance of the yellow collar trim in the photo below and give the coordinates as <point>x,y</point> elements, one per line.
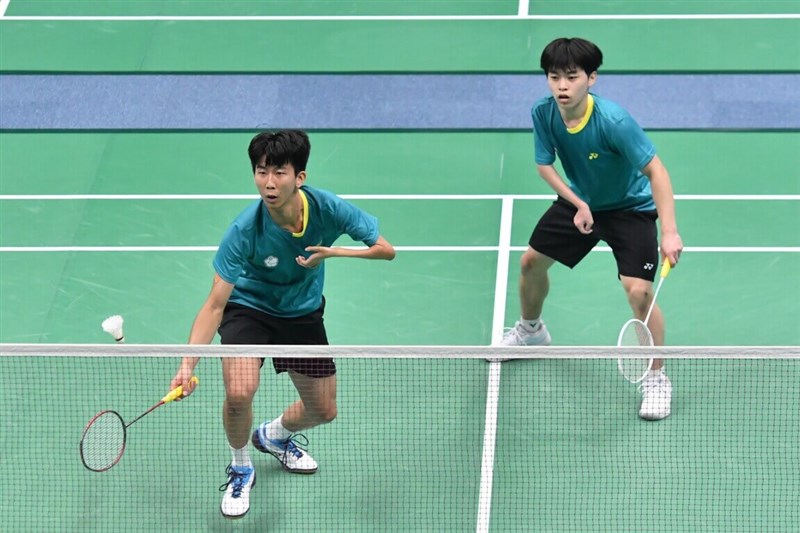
<point>305,214</point>
<point>586,116</point>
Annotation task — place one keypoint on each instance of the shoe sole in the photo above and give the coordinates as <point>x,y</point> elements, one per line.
<point>235,516</point>
<point>257,444</point>
<point>654,418</point>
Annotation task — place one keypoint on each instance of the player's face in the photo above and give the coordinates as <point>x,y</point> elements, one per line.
<point>570,87</point>
<point>277,185</point>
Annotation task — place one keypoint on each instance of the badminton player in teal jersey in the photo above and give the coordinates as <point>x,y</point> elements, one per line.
<point>616,189</point>
<point>268,289</point>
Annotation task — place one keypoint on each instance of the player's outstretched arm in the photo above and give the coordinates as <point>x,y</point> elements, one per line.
<point>203,330</point>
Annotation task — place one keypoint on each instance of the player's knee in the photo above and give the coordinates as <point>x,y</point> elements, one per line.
<point>325,412</point>
<point>238,397</point>
<point>639,295</point>
<point>328,413</point>
<point>531,262</point>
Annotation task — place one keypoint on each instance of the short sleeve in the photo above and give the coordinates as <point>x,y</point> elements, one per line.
<point>544,150</point>
<point>356,223</point>
<point>230,259</point>
<point>632,142</point>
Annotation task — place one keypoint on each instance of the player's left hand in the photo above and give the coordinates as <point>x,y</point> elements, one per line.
<point>318,254</point>
<point>671,247</point>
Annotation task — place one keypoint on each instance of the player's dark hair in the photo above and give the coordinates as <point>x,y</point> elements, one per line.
<point>281,147</point>
<point>568,54</point>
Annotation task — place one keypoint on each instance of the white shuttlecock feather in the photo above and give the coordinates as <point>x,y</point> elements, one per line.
<point>113,326</point>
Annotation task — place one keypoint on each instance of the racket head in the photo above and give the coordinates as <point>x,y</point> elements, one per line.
<point>103,441</point>
<point>634,333</point>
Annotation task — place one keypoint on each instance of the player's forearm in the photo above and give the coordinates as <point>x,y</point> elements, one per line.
<point>664,199</point>
<point>205,324</point>
<point>380,250</point>
<point>203,330</point>
<point>550,175</point>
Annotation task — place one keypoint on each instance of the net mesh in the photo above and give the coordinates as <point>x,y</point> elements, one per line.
<point>103,441</point>
<point>548,441</point>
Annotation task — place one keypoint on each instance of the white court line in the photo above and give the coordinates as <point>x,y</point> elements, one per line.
<point>522,9</point>
<point>356,18</point>
<point>4,7</point>
<point>493,386</point>
<point>693,197</point>
<point>690,249</point>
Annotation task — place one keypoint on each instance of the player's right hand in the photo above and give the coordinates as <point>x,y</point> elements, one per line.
<point>583,219</point>
<point>183,378</point>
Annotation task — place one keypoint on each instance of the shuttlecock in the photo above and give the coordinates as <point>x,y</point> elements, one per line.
<point>113,326</point>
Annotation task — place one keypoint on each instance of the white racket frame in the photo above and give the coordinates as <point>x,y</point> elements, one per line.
<point>620,360</point>
<point>664,272</point>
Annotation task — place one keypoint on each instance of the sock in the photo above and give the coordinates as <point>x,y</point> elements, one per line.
<point>530,325</point>
<point>240,457</point>
<point>276,431</point>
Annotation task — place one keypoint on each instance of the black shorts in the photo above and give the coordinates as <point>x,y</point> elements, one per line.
<point>245,325</point>
<point>631,235</point>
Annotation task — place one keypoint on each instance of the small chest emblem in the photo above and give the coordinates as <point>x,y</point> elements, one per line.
<point>271,262</point>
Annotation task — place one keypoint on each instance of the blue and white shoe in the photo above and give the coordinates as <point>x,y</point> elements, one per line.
<point>292,457</point>
<point>236,501</point>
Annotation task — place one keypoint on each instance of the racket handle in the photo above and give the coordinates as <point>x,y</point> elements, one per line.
<point>177,392</point>
<point>665,268</point>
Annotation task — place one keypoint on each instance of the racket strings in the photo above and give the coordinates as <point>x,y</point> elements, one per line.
<point>103,441</point>
<point>635,334</point>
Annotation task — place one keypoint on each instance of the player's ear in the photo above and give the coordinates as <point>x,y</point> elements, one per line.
<point>300,178</point>
<point>592,78</point>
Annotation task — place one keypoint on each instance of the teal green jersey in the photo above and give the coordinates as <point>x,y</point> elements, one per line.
<point>602,156</point>
<point>258,256</point>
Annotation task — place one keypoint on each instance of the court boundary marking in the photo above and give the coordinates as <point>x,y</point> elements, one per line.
<point>394,18</point>
<point>691,197</point>
<point>493,380</point>
<point>500,248</point>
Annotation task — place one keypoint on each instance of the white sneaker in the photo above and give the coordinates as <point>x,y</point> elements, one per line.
<point>656,397</point>
<point>292,457</point>
<point>520,336</point>
<point>236,501</point>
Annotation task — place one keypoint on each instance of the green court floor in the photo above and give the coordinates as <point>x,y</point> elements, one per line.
<point>405,453</point>
<point>409,436</point>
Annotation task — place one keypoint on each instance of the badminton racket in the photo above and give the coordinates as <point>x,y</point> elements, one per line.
<point>637,333</point>
<point>104,437</point>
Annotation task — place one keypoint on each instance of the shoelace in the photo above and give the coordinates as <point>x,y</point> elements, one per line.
<point>237,479</point>
<point>293,448</point>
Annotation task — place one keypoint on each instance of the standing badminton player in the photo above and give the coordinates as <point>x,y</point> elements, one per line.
<point>267,289</point>
<point>617,188</point>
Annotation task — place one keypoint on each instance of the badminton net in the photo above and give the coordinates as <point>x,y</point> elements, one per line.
<point>427,438</point>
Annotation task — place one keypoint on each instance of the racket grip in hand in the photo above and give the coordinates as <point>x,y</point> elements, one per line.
<point>665,268</point>
<point>177,392</point>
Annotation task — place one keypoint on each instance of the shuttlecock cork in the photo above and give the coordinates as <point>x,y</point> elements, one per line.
<point>113,326</point>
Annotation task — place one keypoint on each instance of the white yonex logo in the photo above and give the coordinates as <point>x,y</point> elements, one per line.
<point>271,262</point>
<point>648,266</point>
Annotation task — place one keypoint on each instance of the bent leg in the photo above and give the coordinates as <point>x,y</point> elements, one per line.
<point>317,403</point>
<point>534,283</point>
